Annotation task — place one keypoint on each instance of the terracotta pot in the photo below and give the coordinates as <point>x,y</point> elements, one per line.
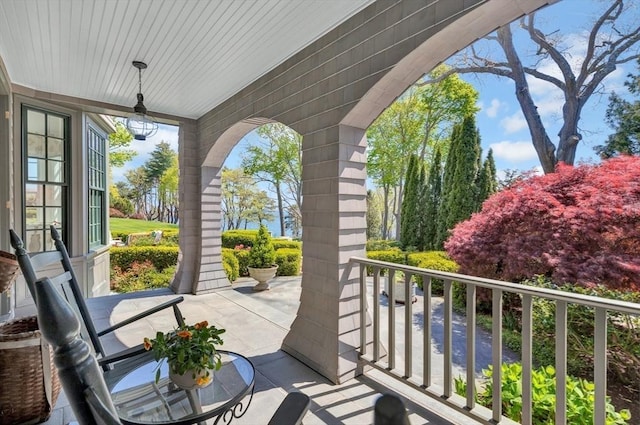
<point>262,275</point>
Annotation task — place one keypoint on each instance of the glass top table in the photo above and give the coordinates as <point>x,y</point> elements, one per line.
<point>139,400</point>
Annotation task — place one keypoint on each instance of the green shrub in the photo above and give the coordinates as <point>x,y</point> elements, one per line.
<point>580,396</point>
<point>230,264</point>
<point>140,276</point>
<point>433,260</point>
<point>288,261</point>
<point>262,253</point>
<point>286,243</point>
<point>381,245</point>
<point>119,235</point>
<point>160,256</point>
<point>242,255</point>
<point>233,238</point>
<point>394,255</point>
<point>623,338</point>
<point>171,237</point>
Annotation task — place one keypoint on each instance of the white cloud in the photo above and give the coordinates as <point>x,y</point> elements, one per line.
<point>492,111</point>
<point>519,151</point>
<point>513,123</point>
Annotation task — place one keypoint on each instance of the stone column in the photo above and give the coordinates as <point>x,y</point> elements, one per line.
<point>211,275</point>
<point>325,333</point>
<point>185,280</point>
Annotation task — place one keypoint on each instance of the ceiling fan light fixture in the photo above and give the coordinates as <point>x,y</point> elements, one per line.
<point>141,125</point>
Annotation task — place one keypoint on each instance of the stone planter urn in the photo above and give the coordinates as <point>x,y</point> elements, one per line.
<point>398,289</point>
<point>262,275</point>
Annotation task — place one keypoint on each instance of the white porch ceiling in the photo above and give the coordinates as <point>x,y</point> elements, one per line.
<point>199,52</point>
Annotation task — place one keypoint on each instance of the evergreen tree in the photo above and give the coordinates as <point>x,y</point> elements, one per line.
<point>421,190</point>
<point>447,184</point>
<point>432,192</point>
<point>408,216</point>
<point>374,216</point>
<point>487,183</point>
<point>460,194</point>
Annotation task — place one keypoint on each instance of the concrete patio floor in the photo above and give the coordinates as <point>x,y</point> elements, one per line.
<point>256,324</point>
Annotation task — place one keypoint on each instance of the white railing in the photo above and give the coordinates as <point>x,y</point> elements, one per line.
<point>383,350</point>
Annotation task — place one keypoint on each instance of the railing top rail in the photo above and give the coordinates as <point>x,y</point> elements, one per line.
<point>554,294</point>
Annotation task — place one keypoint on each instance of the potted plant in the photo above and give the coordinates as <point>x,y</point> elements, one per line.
<point>191,353</point>
<point>399,285</point>
<point>261,259</point>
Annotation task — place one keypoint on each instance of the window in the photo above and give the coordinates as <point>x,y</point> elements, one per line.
<point>97,145</point>
<point>46,176</point>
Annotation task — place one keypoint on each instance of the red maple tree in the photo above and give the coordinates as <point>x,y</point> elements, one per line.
<point>578,225</point>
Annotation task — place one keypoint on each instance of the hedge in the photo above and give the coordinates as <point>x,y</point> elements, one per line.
<point>230,264</point>
<point>288,261</point>
<point>434,260</point>
<point>286,244</point>
<point>381,245</point>
<point>160,256</point>
<point>233,238</point>
<point>394,255</point>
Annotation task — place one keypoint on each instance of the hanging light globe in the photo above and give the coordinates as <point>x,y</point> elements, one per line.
<point>140,124</point>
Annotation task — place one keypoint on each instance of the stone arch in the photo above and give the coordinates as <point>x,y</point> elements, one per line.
<point>329,93</point>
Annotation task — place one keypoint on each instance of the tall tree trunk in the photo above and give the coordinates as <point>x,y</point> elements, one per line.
<point>385,212</point>
<point>280,208</point>
<point>541,142</point>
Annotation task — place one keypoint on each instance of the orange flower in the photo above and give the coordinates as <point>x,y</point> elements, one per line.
<point>184,334</point>
<point>147,344</point>
<point>201,325</point>
<point>203,380</point>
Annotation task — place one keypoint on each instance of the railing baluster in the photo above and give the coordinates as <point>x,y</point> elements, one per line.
<point>496,353</point>
<point>391,297</point>
<point>471,345</point>
<point>561,362</point>
<point>426,342</point>
<point>376,314</point>
<point>600,365</point>
<point>527,358</point>
<point>602,308</point>
<point>448,338</point>
<point>363,309</point>
<point>408,327</point>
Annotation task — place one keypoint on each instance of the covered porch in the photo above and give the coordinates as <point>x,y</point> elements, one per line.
<point>256,324</point>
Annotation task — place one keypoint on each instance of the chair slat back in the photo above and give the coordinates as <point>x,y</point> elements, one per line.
<point>41,264</point>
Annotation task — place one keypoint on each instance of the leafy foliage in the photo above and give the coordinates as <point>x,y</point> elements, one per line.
<point>234,238</point>
<point>119,141</point>
<point>262,253</point>
<point>459,191</point>
<point>579,225</point>
<point>381,244</point>
<point>140,276</point>
<point>624,117</point>
<point>160,256</point>
<point>433,260</point>
<point>188,348</point>
<point>230,264</point>
<point>580,396</point>
<point>288,261</point>
<point>623,340</point>
<point>412,216</point>
<point>432,202</point>
<point>276,159</point>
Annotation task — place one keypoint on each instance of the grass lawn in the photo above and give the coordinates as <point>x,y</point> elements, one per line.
<point>129,225</point>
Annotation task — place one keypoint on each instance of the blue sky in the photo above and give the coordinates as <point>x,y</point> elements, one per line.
<point>500,120</point>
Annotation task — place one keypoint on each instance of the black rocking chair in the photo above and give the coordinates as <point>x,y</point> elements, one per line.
<point>67,285</point>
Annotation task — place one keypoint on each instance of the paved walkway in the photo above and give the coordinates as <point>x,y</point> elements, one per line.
<point>256,324</point>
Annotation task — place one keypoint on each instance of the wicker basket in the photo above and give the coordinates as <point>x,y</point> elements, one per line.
<point>8,269</point>
<point>29,380</point>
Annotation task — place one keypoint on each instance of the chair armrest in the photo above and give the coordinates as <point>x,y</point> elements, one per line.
<point>291,410</point>
<point>172,303</point>
<point>121,355</point>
